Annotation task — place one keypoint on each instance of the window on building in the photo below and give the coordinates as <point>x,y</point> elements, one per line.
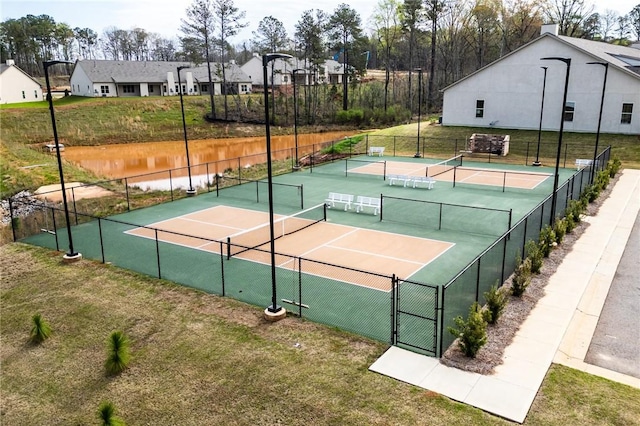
<point>195,88</point>
<point>569,110</point>
<point>151,88</point>
<point>35,94</point>
<point>104,89</point>
<point>627,112</point>
<point>205,88</point>
<point>479,108</point>
<point>129,88</point>
<point>285,78</point>
<point>23,95</point>
<point>244,88</point>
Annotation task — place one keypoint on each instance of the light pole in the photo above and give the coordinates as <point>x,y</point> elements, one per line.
<point>295,115</point>
<point>190,191</point>
<point>544,84</point>
<point>72,255</point>
<point>272,312</point>
<point>417,154</point>
<point>554,197</point>
<point>604,86</point>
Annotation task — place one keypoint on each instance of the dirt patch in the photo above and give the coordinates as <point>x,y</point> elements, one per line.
<point>500,335</point>
<point>77,190</point>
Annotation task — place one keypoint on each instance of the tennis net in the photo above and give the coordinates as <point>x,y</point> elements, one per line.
<point>444,166</point>
<point>260,235</point>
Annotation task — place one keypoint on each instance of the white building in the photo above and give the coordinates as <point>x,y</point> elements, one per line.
<point>330,72</point>
<point>17,86</point>
<point>508,92</point>
<point>100,78</point>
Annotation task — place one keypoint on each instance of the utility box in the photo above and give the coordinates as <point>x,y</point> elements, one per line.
<point>489,144</point>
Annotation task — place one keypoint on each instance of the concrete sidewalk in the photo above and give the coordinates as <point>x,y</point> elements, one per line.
<point>558,329</point>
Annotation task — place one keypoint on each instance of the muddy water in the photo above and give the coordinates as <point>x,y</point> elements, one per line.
<point>125,160</point>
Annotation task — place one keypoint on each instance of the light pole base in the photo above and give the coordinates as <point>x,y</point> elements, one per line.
<point>279,314</point>
<point>297,167</point>
<point>417,155</point>
<point>191,192</point>
<point>536,164</point>
<point>71,257</point>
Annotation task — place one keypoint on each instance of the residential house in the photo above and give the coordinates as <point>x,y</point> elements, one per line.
<point>508,93</point>
<point>103,78</point>
<point>17,86</point>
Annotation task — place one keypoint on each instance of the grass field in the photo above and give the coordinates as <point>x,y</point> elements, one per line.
<point>198,359</point>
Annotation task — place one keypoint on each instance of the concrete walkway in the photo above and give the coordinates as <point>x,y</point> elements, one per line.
<point>559,329</point>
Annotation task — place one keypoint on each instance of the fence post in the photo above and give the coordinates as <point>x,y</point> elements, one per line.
<point>301,196</point>
<point>13,228</point>
<point>75,210</point>
<point>504,181</point>
<point>504,257</point>
<point>171,184</point>
<point>526,158</point>
<point>126,191</point>
<point>55,227</point>
<point>565,155</point>
<point>208,180</point>
<point>441,339</point>
<point>299,287</point>
<point>101,241</point>
<point>524,239</point>
<point>158,254</point>
<point>440,218</point>
<point>478,280</point>
<point>381,204</point>
<point>394,308</point>
<point>222,267</point>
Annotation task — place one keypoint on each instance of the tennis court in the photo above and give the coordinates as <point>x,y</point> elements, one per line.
<point>453,170</point>
<point>247,235</point>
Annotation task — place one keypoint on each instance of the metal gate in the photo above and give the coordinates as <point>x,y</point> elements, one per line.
<point>415,316</point>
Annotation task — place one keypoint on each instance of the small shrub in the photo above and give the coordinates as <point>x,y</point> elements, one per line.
<point>40,330</point>
<point>496,301</point>
<point>547,240</point>
<point>613,167</point>
<point>591,193</point>
<point>118,355</point>
<point>602,179</point>
<point>106,414</point>
<point>560,229</point>
<point>472,332</point>
<point>574,213</point>
<point>535,255</point>
<point>521,277</point>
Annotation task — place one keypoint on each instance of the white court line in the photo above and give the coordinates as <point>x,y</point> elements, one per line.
<point>375,254</point>
<point>210,224</point>
<point>329,242</point>
<point>177,244</point>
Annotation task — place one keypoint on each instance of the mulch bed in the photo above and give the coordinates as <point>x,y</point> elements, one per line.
<point>500,335</point>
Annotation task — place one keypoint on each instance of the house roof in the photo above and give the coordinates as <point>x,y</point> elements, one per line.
<point>626,59</point>
<point>4,67</point>
<point>154,71</point>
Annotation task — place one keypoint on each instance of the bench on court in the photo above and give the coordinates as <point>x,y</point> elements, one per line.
<point>399,178</point>
<point>583,162</point>
<point>427,181</point>
<point>369,202</point>
<point>376,150</point>
<point>337,198</point>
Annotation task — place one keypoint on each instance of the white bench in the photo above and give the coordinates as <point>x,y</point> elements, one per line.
<point>336,198</point>
<point>583,162</point>
<point>427,181</point>
<point>371,202</point>
<point>376,150</point>
<point>399,178</point>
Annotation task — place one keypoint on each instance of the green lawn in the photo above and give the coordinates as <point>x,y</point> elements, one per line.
<point>198,359</point>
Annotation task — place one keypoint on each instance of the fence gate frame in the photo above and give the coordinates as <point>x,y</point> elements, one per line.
<point>399,314</point>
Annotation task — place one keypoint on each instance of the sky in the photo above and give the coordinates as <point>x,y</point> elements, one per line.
<point>163,16</point>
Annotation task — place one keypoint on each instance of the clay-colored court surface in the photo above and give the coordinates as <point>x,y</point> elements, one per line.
<point>323,243</point>
<point>462,174</point>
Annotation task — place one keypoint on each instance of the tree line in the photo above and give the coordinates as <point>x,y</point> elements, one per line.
<point>443,40</point>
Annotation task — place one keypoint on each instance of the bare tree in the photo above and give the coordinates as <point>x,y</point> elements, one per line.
<point>271,37</point>
<point>411,17</point>
<point>570,15</point>
<point>229,19</point>
<point>310,39</point>
<point>434,9</point>
<point>198,29</point>
<point>634,21</point>
<point>387,26</point>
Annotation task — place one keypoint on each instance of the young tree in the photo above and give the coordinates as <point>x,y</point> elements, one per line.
<point>271,37</point>
<point>570,15</point>
<point>411,17</point>
<point>86,39</point>
<point>634,21</point>
<point>343,30</point>
<point>434,8</point>
<point>310,37</point>
<point>387,22</point>
<point>198,29</point>
<point>229,23</point>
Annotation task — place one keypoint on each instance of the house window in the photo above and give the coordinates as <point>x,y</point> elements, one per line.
<point>104,89</point>
<point>129,88</point>
<point>205,88</point>
<point>479,108</point>
<point>285,78</point>
<point>150,88</point>
<point>195,88</point>
<point>35,94</point>
<point>569,110</point>
<point>244,88</point>
<point>627,111</point>
<point>23,95</point>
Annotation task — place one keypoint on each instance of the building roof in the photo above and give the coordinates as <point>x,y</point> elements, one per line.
<point>626,59</point>
<point>4,67</point>
<point>154,71</point>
